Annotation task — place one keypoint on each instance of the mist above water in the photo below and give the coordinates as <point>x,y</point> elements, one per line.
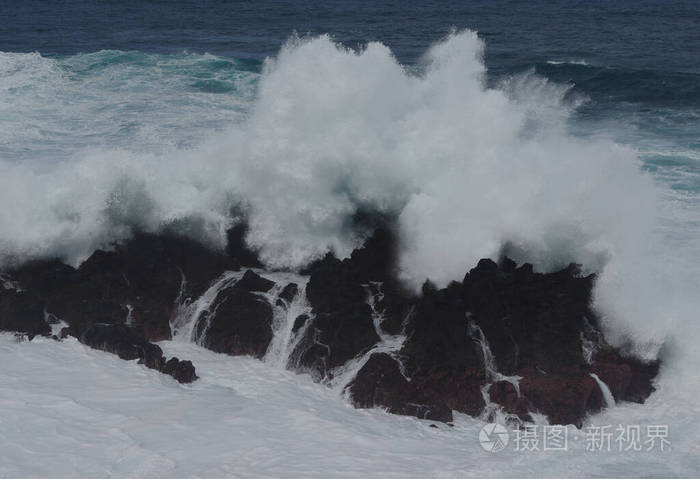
<point>470,171</point>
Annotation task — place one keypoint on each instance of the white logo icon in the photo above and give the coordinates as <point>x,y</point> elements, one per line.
<point>493,437</point>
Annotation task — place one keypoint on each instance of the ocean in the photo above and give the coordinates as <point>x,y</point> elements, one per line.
<point>554,131</point>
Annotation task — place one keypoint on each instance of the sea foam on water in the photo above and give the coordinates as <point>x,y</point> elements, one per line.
<point>470,171</point>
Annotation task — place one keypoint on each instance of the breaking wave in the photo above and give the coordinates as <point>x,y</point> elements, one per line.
<point>325,132</point>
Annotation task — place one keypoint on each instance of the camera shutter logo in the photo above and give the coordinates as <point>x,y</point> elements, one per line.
<point>493,437</point>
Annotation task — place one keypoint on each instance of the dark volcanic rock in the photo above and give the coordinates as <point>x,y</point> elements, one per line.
<point>254,282</point>
<point>182,371</point>
<point>334,338</point>
<point>380,383</point>
<point>23,312</point>
<point>441,357</point>
<point>289,292</point>
<point>438,332</point>
<point>533,324</point>
<point>332,288</point>
<point>629,379</point>
<point>241,324</point>
<point>564,399</point>
<point>501,317</point>
<point>531,320</point>
<point>299,322</point>
<point>128,343</point>
<point>505,394</point>
<point>147,273</point>
<point>459,390</point>
<point>342,326</point>
<point>124,341</point>
<point>141,279</point>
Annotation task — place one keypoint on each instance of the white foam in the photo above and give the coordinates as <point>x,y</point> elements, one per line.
<point>567,62</point>
<point>71,411</point>
<point>608,399</point>
<point>467,168</point>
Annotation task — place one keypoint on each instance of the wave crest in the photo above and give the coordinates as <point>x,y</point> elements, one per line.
<point>467,169</point>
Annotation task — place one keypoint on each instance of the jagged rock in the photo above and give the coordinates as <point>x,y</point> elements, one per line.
<point>145,273</point>
<point>616,376</point>
<point>334,338</point>
<point>458,390</point>
<point>241,324</point>
<point>23,312</point>
<point>629,379</point>
<point>128,343</point>
<point>170,366</point>
<point>331,288</point>
<point>342,327</point>
<point>531,320</point>
<point>182,371</point>
<point>380,383</point>
<point>533,323</point>
<point>289,292</point>
<point>299,322</point>
<point>505,394</point>
<point>441,357</point>
<point>254,282</point>
<point>125,342</point>
<point>438,333</point>
<point>563,398</point>
<point>395,303</point>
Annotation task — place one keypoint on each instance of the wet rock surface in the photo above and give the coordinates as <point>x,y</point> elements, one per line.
<point>129,344</point>
<point>504,340</point>
<point>23,312</point>
<point>241,324</point>
<point>118,300</point>
<point>342,326</point>
<point>381,383</point>
<point>141,279</point>
<point>534,326</point>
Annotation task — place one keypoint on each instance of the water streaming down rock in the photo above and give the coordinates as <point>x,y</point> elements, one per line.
<point>187,322</point>
<point>388,344</point>
<point>493,412</point>
<point>590,340</point>
<point>193,320</point>
<point>290,304</point>
<point>351,326</point>
<point>608,398</point>
<point>285,297</point>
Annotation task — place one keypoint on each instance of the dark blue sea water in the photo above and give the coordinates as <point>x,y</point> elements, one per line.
<point>638,62</point>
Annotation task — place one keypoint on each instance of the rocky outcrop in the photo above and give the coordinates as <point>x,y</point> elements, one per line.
<point>381,383</point>
<point>254,282</point>
<point>141,279</point>
<point>137,282</point>
<point>22,312</point>
<point>128,343</point>
<point>242,321</point>
<point>510,399</point>
<point>504,339</point>
<point>534,326</point>
<point>289,292</point>
<point>342,326</point>
<point>628,378</point>
<point>182,371</point>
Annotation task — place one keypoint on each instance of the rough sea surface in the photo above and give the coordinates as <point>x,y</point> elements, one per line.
<point>559,131</point>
